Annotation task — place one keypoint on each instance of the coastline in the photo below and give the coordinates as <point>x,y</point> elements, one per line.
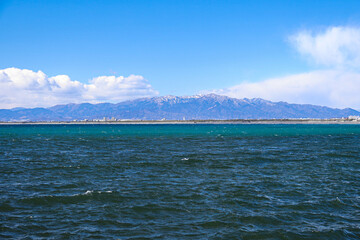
<point>233,121</point>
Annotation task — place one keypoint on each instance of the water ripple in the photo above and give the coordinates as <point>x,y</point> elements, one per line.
<point>180,182</point>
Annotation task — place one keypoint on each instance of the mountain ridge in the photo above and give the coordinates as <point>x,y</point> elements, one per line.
<point>197,107</point>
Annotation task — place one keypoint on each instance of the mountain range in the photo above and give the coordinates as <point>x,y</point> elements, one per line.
<point>210,106</point>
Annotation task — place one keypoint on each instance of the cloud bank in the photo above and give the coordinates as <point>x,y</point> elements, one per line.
<point>26,88</point>
<point>327,88</point>
<point>335,47</point>
<point>338,49</point>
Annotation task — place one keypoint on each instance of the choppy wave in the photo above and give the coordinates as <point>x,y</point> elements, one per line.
<point>180,182</point>
<point>70,199</point>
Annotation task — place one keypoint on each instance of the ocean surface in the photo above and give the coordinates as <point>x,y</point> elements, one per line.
<point>193,181</point>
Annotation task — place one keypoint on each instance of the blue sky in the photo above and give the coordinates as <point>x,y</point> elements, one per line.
<point>177,47</point>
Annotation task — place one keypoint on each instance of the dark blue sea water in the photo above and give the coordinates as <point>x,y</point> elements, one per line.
<point>180,181</point>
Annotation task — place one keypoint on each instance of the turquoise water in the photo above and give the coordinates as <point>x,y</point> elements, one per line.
<point>217,181</point>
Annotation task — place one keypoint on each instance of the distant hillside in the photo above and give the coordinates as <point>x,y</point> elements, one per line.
<point>209,106</point>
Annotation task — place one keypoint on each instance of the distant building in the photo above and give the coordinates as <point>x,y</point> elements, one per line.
<point>354,118</point>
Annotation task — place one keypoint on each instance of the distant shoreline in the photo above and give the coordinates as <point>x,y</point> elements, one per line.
<point>236,121</point>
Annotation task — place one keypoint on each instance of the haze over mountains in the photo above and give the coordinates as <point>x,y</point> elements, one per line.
<point>198,107</point>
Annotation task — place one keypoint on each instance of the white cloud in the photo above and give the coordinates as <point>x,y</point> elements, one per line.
<point>335,47</point>
<point>338,48</point>
<point>118,88</point>
<point>26,88</point>
<point>327,88</point>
